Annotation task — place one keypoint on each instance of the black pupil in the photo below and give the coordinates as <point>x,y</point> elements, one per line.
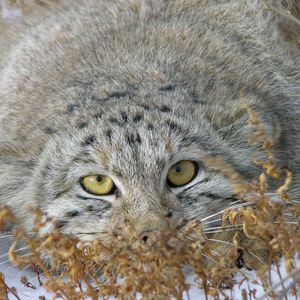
<point>99,178</point>
<point>177,169</point>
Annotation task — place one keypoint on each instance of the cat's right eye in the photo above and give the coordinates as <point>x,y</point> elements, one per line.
<point>98,185</point>
<point>182,173</point>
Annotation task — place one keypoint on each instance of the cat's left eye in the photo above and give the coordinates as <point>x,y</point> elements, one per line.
<point>98,185</point>
<point>182,173</point>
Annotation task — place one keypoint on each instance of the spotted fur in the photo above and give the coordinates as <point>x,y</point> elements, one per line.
<point>128,88</point>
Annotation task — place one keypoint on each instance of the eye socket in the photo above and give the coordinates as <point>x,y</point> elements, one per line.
<point>182,173</point>
<point>98,184</point>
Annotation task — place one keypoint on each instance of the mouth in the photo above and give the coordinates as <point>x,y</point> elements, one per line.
<point>164,255</point>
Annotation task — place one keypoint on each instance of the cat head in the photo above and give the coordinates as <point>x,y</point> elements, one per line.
<point>141,163</point>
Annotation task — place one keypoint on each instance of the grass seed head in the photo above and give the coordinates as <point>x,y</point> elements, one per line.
<point>258,236</point>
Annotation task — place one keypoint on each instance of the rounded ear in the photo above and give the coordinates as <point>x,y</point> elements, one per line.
<point>287,17</point>
<point>232,121</point>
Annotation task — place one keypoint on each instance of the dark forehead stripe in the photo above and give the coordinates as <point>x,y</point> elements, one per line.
<point>130,138</point>
<point>133,138</point>
<point>49,130</point>
<point>150,126</point>
<point>98,99</point>
<point>207,145</point>
<point>115,121</point>
<point>84,156</point>
<point>138,117</point>
<point>188,140</point>
<point>120,121</point>
<point>172,125</point>
<point>71,107</point>
<point>89,140</point>
<point>194,97</point>
<point>46,170</point>
<point>81,125</point>
<point>165,109</point>
<point>138,138</point>
<point>119,94</point>
<point>98,115</point>
<point>129,92</point>
<point>72,213</point>
<point>109,134</point>
<point>167,88</point>
<point>124,116</point>
<point>61,223</point>
<point>144,106</point>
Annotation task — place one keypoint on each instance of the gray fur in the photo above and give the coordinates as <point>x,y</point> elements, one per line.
<point>128,88</point>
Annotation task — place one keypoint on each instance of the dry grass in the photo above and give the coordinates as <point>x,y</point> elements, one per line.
<point>259,235</point>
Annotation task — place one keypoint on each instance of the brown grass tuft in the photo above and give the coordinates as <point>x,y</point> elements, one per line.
<point>259,235</point>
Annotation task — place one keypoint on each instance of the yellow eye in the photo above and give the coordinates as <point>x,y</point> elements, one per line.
<point>98,184</point>
<point>182,173</point>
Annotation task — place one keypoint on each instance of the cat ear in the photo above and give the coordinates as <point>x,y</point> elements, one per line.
<point>287,19</point>
<point>233,121</point>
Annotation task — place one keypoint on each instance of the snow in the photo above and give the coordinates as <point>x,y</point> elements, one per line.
<point>13,276</point>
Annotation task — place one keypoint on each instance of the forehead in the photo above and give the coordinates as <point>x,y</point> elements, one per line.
<point>137,140</point>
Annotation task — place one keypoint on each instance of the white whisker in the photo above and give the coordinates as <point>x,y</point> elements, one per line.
<point>6,236</point>
<point>189,238</point>
<point>231,244</point>
<point>222,242</point>
<point>209,258</point>
<point>235,202</point>
<point>242,204</point>
<point>8,261</point>
<point>257,257</point>
<point>99,268</point>
<point>214,252</point>
<point>223,227</point>
<point>4,262</point>
<point>230,207</point>
<point>7,269</point>
<point>220,231</point>
<point>20,249</point>
<point>293,223</point>
<point>274,197</point>
<point>213,221</point>
<point>12,236</point>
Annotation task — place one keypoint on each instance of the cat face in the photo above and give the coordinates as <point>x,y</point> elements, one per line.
<point>138,163</point>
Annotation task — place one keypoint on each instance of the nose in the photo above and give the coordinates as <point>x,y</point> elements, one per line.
<point>148,237</point>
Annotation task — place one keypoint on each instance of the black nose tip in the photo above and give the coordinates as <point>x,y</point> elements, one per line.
<point>149,236</point>
<point>145,238</point>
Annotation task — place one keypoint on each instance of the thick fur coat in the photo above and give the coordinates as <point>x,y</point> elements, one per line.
<point>127,89</point>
